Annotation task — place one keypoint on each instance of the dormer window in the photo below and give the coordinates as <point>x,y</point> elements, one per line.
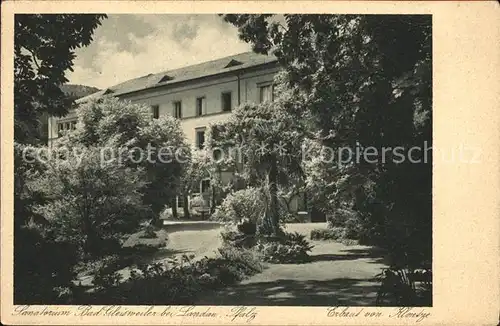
<point>233,63</point>
<point>165,79</point>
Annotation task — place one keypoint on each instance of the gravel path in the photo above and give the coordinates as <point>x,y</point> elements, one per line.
<point>338,275</point>
<point>197,238</point>
<point>186,238</point>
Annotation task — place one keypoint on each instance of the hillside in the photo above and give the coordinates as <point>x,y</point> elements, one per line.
<point>78,91</point>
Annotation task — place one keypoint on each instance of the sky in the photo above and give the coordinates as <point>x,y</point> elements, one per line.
<point>130,46</point>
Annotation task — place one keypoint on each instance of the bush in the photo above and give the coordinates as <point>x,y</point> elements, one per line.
<point>114,205</point>
<point>287,248</point>
<point>177,281</point>
<point>341,216</point>
<point>149,233</point>
<point>278,253</point>
<point>166,214</point>
<point>130,125</point>
<point>247,227</point>
<point>242,204</point>
<point>43,268</point>
<point>334,233</point>
<point>405,287</point>
<point>237,239</point>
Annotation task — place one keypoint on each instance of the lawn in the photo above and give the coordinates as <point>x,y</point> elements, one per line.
<point>337,275</point>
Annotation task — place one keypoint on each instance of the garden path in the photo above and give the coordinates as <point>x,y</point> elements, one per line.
<point>338,275</point>
<point>197,238</point>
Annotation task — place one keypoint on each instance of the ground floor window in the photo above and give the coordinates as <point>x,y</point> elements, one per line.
<point>65,126</point>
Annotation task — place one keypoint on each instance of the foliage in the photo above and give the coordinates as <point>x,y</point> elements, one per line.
<point>405,287</point>
<point>285,249</point>
<point>242,204</point>
<point>198,202</point>
<point>27,169</point>
<point>44,49</point>
<point>42,264</point>
<point>199,166</point>
<point>75,91</point>
<point>128,133</point>
<point>149,232</point>
<point>334,233</point>
<point>237,239</point>
<point>265,144</point>
<point>339,234</point>
<point>247,227</point>
<point>178,281</point>
<point>43,267</point>
<point>364,81</point>
<point>91,201</point>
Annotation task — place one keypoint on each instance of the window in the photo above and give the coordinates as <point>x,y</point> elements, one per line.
<point>205,185</point>
<point>156,111</point>
<point>266,93</point>
<point>200,138</point>
<point>200,106</point>
<point>178,109</point>
<point>226,102</point>
<point>65,126</point>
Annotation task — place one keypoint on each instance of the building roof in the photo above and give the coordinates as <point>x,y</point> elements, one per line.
<point>205,69</point>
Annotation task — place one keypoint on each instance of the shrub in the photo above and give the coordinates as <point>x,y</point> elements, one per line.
<point>129,126</point>
<point>248,259</point>
<point>334,233</point>
<point>405,287</point>
<point>275,252</point>
<point>149,232</point>
<point>237,239</point>
<point>113,205</point>
<point>43,268</point>
<point>242,204</point>
<point>286,248</point>
<point>105,280</point>
<point>166,214</point>
<point>197,202</point>
<point>177,281</point>
<point>247,227</point>
<point>341,216</point>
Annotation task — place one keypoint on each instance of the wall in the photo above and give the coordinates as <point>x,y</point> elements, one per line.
<point>52,124</point>
<point>212,91</point>
<point>211,88</point>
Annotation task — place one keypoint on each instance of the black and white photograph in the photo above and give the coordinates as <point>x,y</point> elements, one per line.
<point>223,160</point>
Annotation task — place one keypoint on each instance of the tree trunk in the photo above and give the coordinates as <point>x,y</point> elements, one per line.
<point>212,201</point>
<point>273,205</point>
<point>174,207</point>
<point>186,206</point>
<point>91,245</point>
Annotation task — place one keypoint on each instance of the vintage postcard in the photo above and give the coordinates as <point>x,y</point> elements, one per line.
<point>260,163</point>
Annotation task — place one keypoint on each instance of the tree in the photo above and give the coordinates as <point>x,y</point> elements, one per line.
<point>199,166</point>
<point>90,200</point>
<point>44,46</point>
<point>367,83</point>
<point>127,131</point>
<point>267,141</point>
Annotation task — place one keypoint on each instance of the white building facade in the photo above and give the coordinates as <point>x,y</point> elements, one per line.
<point>197,95</point>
